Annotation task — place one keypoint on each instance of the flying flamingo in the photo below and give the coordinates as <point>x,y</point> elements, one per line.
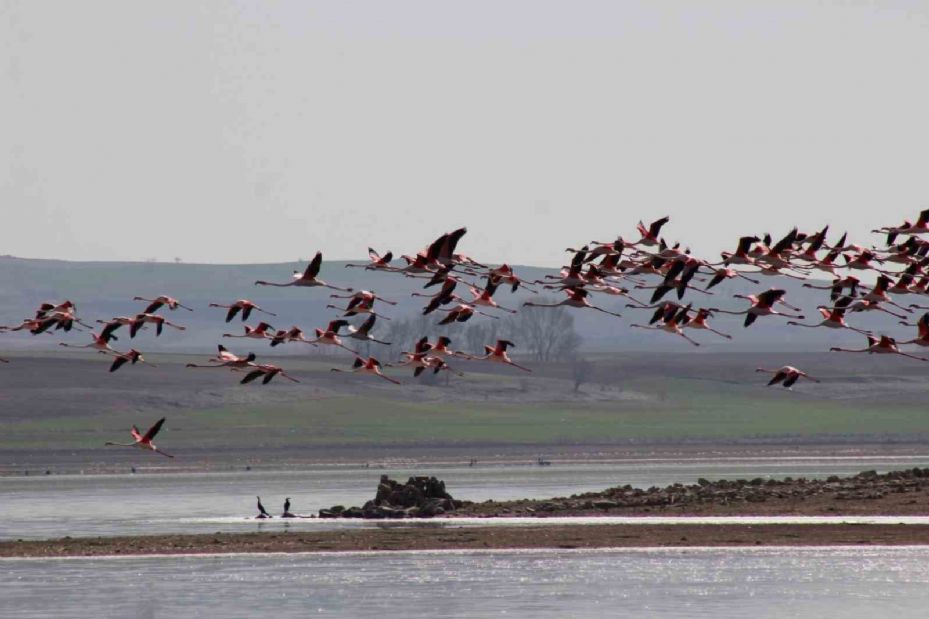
<point>672,322</point>
<point>363,296</point>
<point>498,354</point>
<point>294,334</point>
<point>110,326</point>
<point>330,337</point>
<point>762,305</point>
<point>884,345</point>
<point>650,234</point>
<point>699,322</point>
<point>462,313</point>
<point>787,374</point>
<point>505,274</point>
<point>29,324</point>
<point>878,294</point>
<point>269,372</point>
<point>155,319</point>
<point>442,297</point>
<point>358,306</point>
<point>226,359</point>
<point>577,297</point>
<point>720,275</point>
<point>143,442</point>
<point>920,227</point>
<point>243,305</point>
<point>440,349</point>
<point>378,262</point>
<point>367,366</point>
<point>417,358</point>
<point>833,317</point>
<point>155,304</point>
<point>838,285</point>
<point>308,278</point>
<point>260,332</point>
<point>865,305</point>
<point>922,326</point>
<point>484,298</point>
<point>132,356</point>
<point>363,332</point>
<point>100,343</point>
<point>60,320</point>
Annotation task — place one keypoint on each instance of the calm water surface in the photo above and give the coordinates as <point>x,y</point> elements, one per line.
<point>692,583</point>
<point>76,505</point>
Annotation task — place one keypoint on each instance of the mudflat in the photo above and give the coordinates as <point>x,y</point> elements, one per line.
<point>477,538</point>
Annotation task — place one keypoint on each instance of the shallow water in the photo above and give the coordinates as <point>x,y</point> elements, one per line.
<point>692,583</point>
<point>76,505</point>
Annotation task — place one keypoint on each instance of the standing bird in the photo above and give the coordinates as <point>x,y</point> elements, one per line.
<point>155,304</point>
<point>262,512</point>
<point>787,374</point>
<point>497,354</point>
<point>286,513</point>
<point>143,442</point>
<point>243,305</point>
<point>308,278</point>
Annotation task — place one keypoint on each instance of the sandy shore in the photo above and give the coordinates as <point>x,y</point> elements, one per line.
<point>558,536</point>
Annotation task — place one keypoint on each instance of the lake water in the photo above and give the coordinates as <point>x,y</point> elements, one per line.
<point>85,505</point>
<point>692,583</point>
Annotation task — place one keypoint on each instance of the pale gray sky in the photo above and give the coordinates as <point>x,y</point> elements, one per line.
<point>262,131</point>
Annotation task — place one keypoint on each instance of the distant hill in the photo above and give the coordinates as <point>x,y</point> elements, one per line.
<point>105,289</point>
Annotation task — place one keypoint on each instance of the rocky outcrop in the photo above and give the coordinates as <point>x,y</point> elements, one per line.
<point>419,497</point>
<point>902,491</point>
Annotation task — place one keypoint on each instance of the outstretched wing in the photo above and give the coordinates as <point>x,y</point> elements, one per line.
<point>153,430</point>
<point>118,362</point>
<point>312,270</point>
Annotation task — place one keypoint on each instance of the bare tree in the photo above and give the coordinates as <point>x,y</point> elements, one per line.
<point>581,368</point>
<point>546,333</point>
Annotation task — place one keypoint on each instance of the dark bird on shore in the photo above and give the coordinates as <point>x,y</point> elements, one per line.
<point>262,512</point>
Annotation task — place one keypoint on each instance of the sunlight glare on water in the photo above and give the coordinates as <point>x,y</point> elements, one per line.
<point>692,583</point>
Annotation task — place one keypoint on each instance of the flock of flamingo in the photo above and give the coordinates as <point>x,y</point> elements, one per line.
<point>605,268</point>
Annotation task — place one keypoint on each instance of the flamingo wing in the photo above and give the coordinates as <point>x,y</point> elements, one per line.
<point>153,430</point>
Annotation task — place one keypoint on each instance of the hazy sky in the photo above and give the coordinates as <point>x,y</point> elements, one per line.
<point>262,131</point>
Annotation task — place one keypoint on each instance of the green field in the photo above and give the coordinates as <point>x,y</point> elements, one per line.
<point>688,409</point>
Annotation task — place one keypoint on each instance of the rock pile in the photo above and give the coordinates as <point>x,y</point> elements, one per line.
<point>898,489</point>
<point>419,497</point>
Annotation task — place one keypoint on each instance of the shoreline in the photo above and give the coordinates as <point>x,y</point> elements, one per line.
<point>28,463</point>
<point>480,538</point>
